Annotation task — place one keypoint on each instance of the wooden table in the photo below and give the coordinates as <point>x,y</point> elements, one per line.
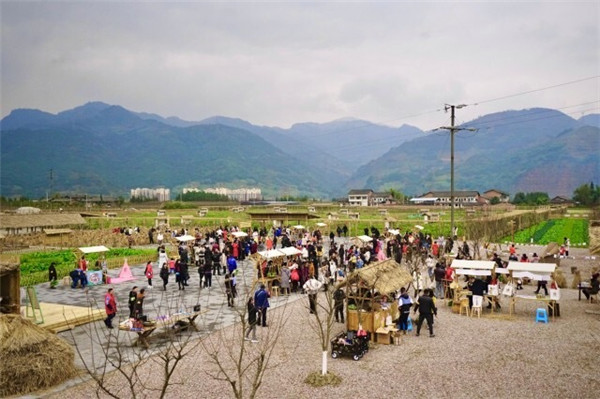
<point>143,334</point>
<point>546,300</point>
<point>171,320</point>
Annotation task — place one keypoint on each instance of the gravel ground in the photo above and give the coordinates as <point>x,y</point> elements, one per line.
<point>495,356</point>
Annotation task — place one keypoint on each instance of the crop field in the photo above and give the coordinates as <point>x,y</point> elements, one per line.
<point>555,230</point>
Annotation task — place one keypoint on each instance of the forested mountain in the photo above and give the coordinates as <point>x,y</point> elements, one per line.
<point>529,150</point>
<point>101,148</point>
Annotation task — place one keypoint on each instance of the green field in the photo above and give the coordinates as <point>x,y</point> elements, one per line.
<point>34,265</point>
<point>555,230</point>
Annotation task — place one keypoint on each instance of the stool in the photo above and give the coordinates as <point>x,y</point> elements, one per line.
<point>594,297</point>
<point>464,304</point>
<point>477,305</point>
<point>66,280</point>
<point>275,290</point>
<point>541,315</point>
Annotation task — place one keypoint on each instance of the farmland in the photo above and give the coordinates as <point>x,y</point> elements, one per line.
<point>555,230</point>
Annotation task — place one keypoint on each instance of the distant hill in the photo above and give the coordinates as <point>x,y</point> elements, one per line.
<point>529,150</point>
<point>98,148</point>
<point>103,148</point>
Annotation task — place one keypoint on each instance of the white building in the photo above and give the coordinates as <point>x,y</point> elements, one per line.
<point>238,194</point>
<point>158,194</point>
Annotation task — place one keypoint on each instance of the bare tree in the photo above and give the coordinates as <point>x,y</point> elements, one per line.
<point>321,322</point>
<point>115,361</point>
<point>240,363</point>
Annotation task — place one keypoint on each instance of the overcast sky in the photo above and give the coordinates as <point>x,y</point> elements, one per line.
<point>278,63</point>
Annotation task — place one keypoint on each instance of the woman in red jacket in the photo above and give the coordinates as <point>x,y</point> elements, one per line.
<point>149,273</point>
<point>110,305</point>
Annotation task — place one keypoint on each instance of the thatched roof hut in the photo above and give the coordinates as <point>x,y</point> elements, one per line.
<point>10,298</point>
<point>24,224</point>
<point>31,358</point>
<point>384,276</point>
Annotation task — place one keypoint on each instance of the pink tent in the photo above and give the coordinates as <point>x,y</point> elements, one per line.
<point>124,275</point>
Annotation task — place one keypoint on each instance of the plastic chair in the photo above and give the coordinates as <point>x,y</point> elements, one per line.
<point>541,315</point>
<point>477,305</point>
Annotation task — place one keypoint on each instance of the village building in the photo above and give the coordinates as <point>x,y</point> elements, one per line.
<point>361,197</point>
<point>493,193</point>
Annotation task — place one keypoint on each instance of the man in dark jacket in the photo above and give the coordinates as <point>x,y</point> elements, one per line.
<point>426,309</point>
<point>338,298</point>
<point>252,319</point>
<point>261,301</point>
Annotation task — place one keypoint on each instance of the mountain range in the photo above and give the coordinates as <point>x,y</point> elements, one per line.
<point>100,148</point>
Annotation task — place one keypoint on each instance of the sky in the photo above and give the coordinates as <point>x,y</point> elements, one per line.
<point>280,63</point>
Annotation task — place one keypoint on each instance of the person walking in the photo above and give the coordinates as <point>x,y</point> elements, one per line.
<point>261,301</point>
<point>229,290</point>
<point>404,304</point>
<point>207,275</point>
<point>252,319</point>
<point>164,275</point>
<point>131,302</point>
<point>110,306</point>
<point>149,273</point>
<point>427,310</point>
<point>338,300</point>
<point>439,273</point>
<point>312,287</point>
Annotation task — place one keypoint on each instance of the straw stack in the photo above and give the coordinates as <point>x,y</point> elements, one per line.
<point>31,358</point>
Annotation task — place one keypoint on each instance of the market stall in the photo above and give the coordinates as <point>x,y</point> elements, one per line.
<point>98,275</point>
<point>472,268</point>
<point>370,295</point>
<point>536,272</point>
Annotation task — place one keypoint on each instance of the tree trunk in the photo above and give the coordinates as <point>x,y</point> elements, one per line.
<point>324,364</point>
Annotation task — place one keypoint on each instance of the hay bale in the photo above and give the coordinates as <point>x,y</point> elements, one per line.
<point>31,358</point>
<point>560,278</point>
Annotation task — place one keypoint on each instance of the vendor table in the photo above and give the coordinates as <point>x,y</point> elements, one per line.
<point>546,300</point>
<point>143,334</point>
<point>171,320</point>
<point>162,321</point>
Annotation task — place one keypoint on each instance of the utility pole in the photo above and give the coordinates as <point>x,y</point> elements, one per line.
<point>452,129</point>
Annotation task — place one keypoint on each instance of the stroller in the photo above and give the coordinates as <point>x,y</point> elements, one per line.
<point>348,344</point>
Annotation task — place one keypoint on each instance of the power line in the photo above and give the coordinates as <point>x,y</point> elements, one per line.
<point>535,90</point>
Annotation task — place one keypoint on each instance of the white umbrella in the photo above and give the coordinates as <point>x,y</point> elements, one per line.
<point>239,234</point>
<point>186,237</point>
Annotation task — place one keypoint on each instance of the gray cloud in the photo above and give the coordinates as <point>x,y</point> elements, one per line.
<point>280,63</point>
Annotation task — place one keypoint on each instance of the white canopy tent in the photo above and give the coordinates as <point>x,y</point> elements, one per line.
<point>271,254</point>
<point>91,250</point>
<point>533,271</point>
<point>239,234</point>
<point>394,232</point>
<point>290,251</point>
<point>365,238</point>
<point>298,227</point>
<point>186,237</point>
<point>321,224</point>
<point>473,267</point>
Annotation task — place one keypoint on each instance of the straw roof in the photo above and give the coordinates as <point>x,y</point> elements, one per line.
<point>385,276</point>
<point>31,358</point>
<point>8,267</point>
<point>40,220</point>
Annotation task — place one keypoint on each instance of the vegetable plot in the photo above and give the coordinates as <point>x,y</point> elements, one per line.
<point>555,230</point>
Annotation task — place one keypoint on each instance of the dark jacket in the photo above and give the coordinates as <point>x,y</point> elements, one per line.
<point>439,273</point>
<point>425,305</point>
<point>252,313</point>
<point>52,273</point>
<point>261,299</point>
<point>479,286</point>
<point>132,299</point>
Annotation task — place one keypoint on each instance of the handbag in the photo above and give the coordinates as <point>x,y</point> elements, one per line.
<point>508,290</point>
<point>493,290</point>
<point>555,294</point>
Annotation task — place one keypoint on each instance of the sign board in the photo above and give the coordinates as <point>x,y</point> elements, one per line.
<point>94,277</point>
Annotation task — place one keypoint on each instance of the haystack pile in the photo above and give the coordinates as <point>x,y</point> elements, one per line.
<point>31,358</point>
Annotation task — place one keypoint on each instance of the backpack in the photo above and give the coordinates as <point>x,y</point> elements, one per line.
<point>294,275</point>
